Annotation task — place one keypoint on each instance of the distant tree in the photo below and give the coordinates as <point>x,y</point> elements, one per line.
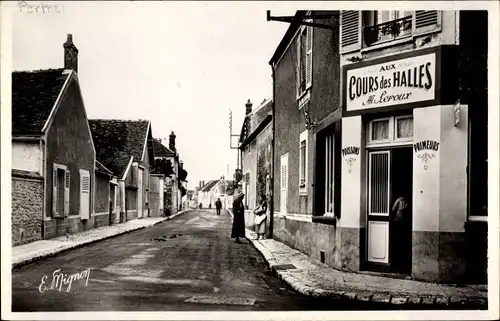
<point>182,174</point>
<point>162,166</point>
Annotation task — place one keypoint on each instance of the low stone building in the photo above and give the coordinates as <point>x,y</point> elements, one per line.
<point>105,209</point>
<point>256,158</point>
<point>125,147</point>
<point>156,195</point>
<point>53,156</point>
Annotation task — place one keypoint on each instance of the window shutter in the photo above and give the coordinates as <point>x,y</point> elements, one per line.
<point>350,30</point>
<point>84,195</point>
<point>55,212</point>
<point>66,192</point>
<point>309,56</point>
<point>297,64</point>
<point>426,21</point>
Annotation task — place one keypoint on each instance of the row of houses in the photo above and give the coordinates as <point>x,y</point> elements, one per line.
<point>208,193</point>
<point>368,107</point>
<point>71,173</point>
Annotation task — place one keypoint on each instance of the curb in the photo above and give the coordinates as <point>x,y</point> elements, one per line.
<point>85,243</point>
<point>400,301</point>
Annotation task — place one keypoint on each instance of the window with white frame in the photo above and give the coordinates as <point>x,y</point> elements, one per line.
<point>329,160</point>
<point>389,130</point>
<point>304,61</point>
<point>303,163</point>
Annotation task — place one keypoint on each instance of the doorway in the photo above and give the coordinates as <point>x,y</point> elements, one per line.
<point>401,227</point>
<point>390,176</point>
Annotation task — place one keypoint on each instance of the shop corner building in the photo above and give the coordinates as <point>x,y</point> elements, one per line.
<point>414,124</point>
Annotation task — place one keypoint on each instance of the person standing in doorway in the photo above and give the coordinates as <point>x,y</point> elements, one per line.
<point>238,229</point>
<point>260,217</point>
<point>400,231</point>
<point>218,206</point>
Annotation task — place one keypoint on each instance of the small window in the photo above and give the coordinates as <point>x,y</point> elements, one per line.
<point>404,128</point>
<point>303,163</point>
<point>390,130</point>
<point>380,130</point>
<point>303,61</point>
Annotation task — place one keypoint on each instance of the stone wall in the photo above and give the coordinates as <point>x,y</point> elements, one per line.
<point>59,227</point>
<point>101,220</point>
<point>101,193</point>
<point>27,210</point>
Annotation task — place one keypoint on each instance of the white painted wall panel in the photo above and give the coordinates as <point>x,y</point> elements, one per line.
<point>26,156</point>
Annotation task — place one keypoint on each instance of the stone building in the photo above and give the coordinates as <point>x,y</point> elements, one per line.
<point>125,147</point>
<point>307,122</point>
<point>256,157</point>
<point>53,156</point>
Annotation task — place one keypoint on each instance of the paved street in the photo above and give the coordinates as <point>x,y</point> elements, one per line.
<point>158,269</point>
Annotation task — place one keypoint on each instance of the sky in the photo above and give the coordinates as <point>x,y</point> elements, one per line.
<point>181,65</point>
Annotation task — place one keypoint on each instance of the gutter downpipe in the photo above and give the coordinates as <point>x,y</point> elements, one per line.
<point>273,108</point>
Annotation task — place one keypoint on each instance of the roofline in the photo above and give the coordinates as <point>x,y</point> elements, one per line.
<point>72,74</point>
<point>104,167</point>
<point>286,40</point>
<point>49,120</point>
<point>128,167</point>
<point>257,131</point>
<point>85,112</point>
<point>146,142</point>
<point>266,102</point>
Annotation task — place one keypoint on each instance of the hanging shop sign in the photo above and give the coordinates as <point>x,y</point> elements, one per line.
<point>394,82</point>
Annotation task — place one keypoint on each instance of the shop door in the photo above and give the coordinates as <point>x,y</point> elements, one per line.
<point>378,214</point>
<point>401,227</point>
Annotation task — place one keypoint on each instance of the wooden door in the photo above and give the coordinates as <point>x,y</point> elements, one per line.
<point>378,214</point>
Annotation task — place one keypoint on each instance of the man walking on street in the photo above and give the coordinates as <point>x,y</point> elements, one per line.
<point>239,218</point>
<point>218,206</point>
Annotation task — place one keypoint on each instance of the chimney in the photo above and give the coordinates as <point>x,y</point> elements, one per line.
<point>171,143</point>
<point>70,54</point>
<point>248,106</point>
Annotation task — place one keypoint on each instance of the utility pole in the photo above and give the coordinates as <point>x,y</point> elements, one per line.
<point>231,139</point>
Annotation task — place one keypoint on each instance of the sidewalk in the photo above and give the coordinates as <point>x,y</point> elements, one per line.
<point>27,253</point>
<point>313,278</point>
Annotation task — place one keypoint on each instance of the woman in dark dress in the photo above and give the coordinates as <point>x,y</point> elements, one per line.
<point>239,218</point>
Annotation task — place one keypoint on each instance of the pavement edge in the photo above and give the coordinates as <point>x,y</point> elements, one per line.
<point>63,248</point>
<point>399,300</point>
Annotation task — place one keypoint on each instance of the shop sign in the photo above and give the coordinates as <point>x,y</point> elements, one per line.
<point>349,154</point>
<point>426,150</point>
<point>402,81</point>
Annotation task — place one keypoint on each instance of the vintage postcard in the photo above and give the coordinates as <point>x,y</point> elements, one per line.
<point>249,160</point>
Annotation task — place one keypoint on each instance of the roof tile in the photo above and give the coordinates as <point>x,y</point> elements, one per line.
<point>34,94</point>
<point>116,141</point>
